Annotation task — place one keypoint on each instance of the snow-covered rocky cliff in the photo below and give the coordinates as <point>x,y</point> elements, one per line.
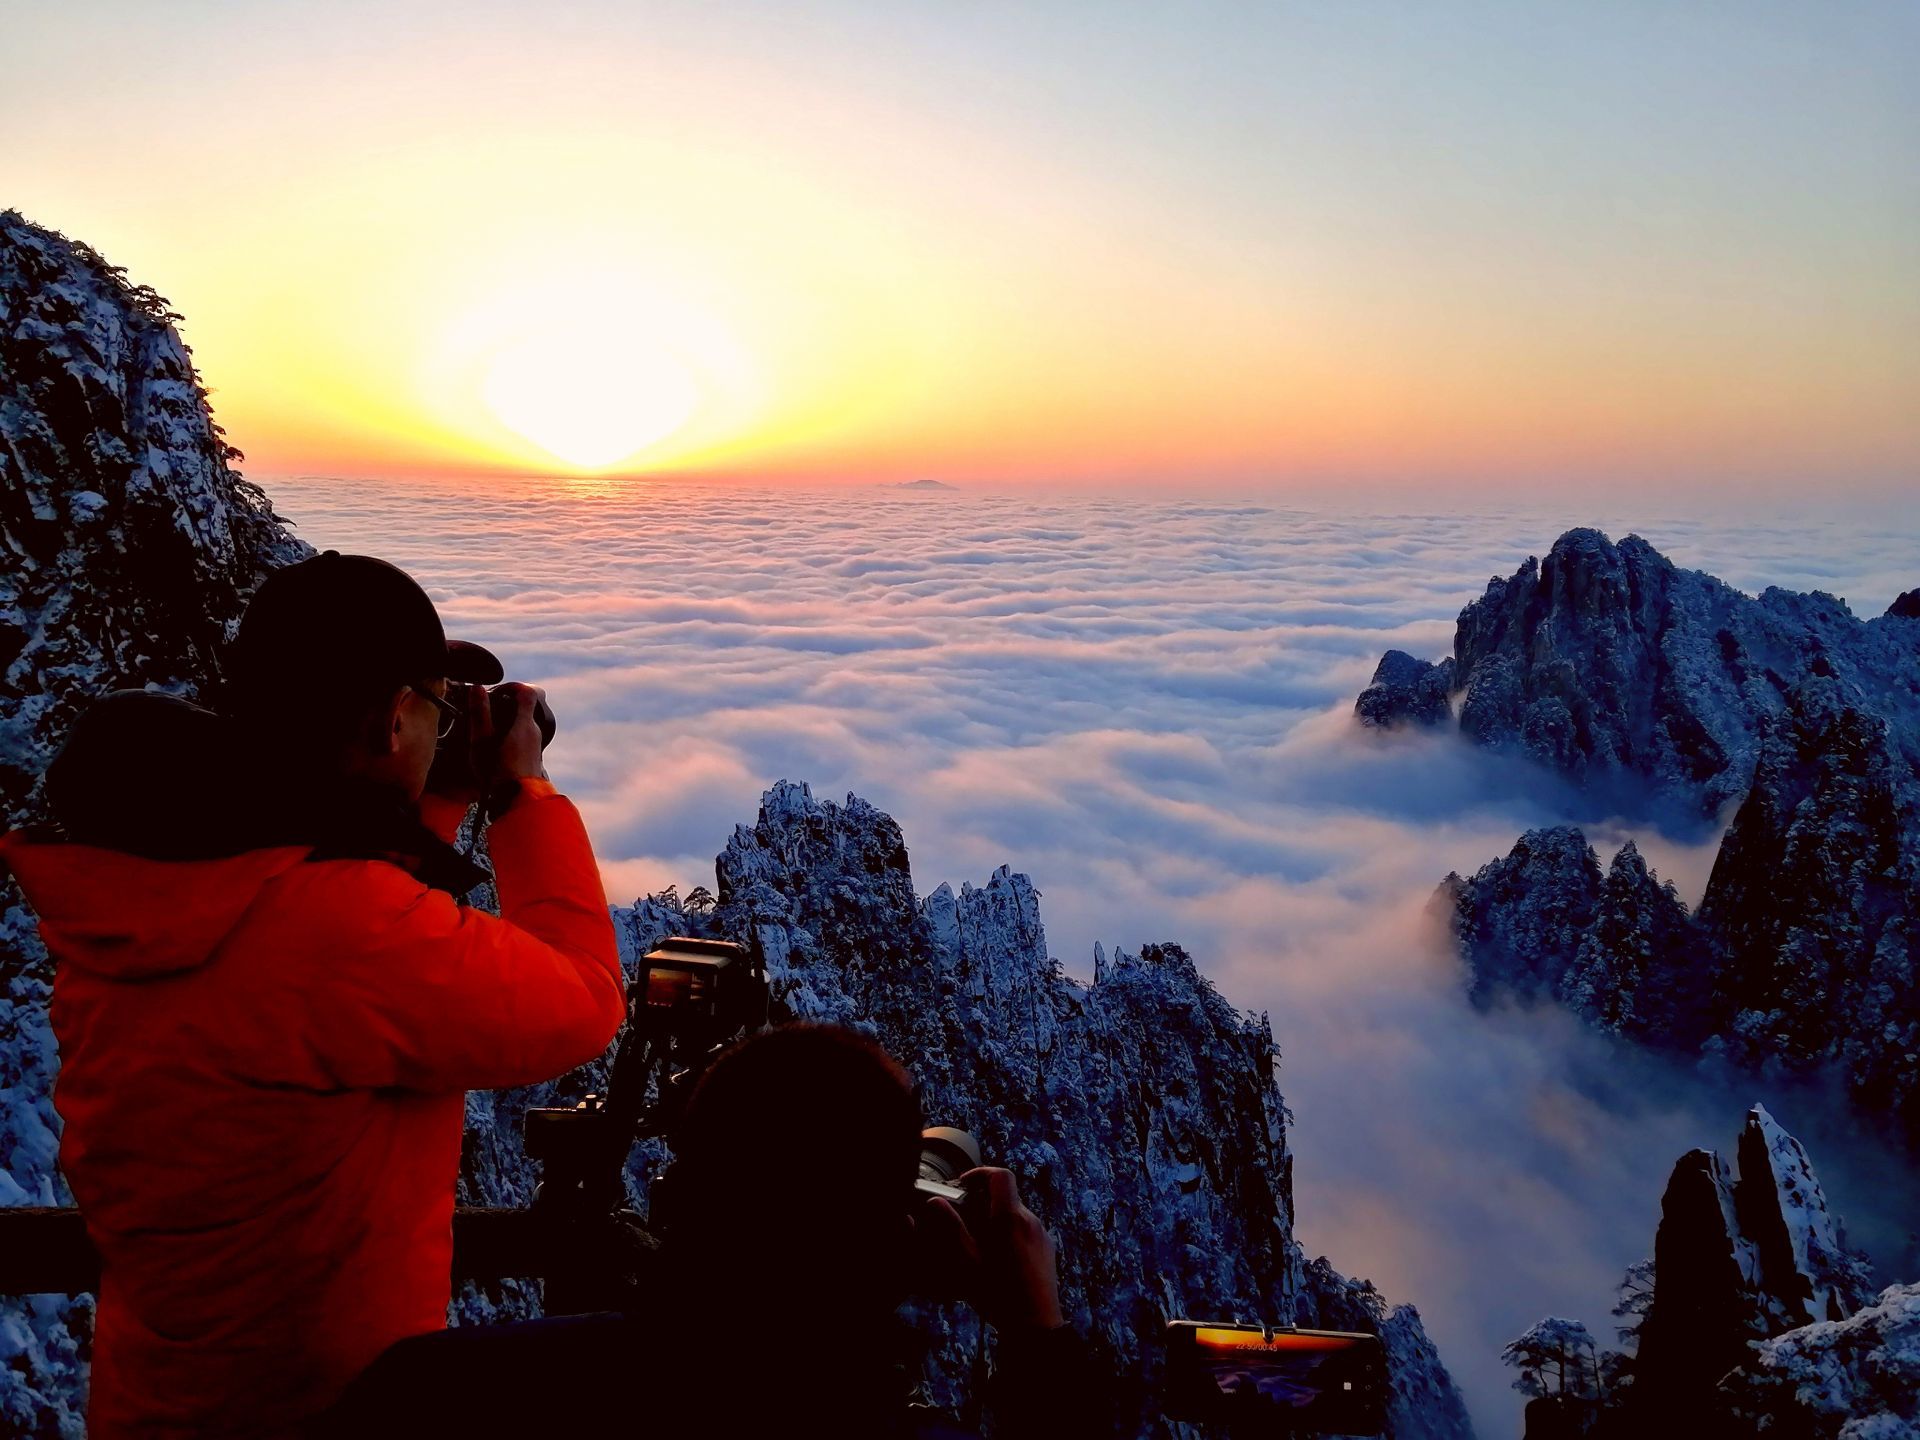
<point>1642,682</point>
<point>130,546</point>
<point>1751,1289</point>
<point>131,543</point>
<point>1806,946</point>
<point>1141,1111</point>
<point>1614,668</point>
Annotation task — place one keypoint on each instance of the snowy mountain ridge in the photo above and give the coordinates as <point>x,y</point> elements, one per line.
<point>1657,688</point>
<point>1645,684</point>
<point>1140,1112</point>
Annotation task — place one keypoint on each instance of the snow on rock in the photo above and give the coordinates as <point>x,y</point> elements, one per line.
<point>1806,1271</point>
<point>1856,1378</point>
<point>1140,1112</point>
<point>1406,691</point>
<point>1739,1256</point>
<point>131,543</point>
<point>1643,682</point>
<point>1806,947</point>
<point>130,548</point>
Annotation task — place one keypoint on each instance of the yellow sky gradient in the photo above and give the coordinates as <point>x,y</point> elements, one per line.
<point>857,287</point>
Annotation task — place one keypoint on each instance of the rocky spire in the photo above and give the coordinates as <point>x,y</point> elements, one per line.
<point>1638,971</point>
<point>1740,1256</point>
<point>1406,691</point>
<point>1522,920</point>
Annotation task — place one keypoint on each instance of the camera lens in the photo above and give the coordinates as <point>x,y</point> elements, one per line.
<point>946,1154</point>
<point>505,706</point>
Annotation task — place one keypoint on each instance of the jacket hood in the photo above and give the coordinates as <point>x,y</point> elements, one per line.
<point>130,918</point>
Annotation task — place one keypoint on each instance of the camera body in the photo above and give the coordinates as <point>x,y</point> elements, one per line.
<point>504,707</point>
<point>453,761</point>
<point>1255,1379</point>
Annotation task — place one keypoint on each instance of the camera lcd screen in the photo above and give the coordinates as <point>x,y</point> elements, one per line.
<point>1290,1380</point>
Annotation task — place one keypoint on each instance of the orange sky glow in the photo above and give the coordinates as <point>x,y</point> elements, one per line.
<point>459,242</point>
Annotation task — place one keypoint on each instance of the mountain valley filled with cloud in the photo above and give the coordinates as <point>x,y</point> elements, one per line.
<point>1146,705</point>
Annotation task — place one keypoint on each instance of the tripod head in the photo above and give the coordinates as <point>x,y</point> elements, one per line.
<point>688,1000</point>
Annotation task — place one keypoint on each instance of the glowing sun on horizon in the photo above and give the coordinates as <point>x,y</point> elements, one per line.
<point>590,396</point>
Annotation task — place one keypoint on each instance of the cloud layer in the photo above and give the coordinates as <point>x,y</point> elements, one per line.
<point>1143,704</point>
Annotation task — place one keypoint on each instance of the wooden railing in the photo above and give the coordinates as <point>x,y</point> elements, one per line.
<point>46,1251</point>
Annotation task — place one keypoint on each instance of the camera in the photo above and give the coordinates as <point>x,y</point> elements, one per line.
<point>945,1155</point>
<point>504,706</point>
<point>453,762</point>
<point>1269,1379</point>
<point>689,998</point>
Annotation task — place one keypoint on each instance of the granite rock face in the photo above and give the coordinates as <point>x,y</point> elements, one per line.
<point>1406,691</point>
<point>1742,1255</point>
<point>1806,946</point>
<point>1646,684</point>
<point>1753,1289</point>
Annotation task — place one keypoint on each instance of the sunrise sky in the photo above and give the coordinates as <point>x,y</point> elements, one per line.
<point>1261,244</point>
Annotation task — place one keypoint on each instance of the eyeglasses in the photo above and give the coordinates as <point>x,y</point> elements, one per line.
<point>450,714</point>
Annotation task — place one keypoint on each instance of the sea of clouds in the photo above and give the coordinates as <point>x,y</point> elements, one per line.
<point>1145,705</point>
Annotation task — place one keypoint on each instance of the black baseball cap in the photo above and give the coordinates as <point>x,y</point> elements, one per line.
<point>346,622</point>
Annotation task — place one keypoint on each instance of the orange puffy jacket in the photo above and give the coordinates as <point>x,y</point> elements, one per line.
<point>261,1075</point>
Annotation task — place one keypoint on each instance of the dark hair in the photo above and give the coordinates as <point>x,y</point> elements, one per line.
<point>799,1145</point>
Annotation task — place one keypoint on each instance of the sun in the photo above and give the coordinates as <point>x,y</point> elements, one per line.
<point>590,395</point>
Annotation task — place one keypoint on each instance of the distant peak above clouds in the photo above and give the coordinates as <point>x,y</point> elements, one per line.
<point>1614,668</point>
<point>924,485</point>
<point>1643,683</point>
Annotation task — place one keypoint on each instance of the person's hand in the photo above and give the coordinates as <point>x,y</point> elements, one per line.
<point>517,753</point>
<point>993,1250</point>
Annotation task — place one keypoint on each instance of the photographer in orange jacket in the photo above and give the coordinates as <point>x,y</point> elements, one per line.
<point>270,997</point>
